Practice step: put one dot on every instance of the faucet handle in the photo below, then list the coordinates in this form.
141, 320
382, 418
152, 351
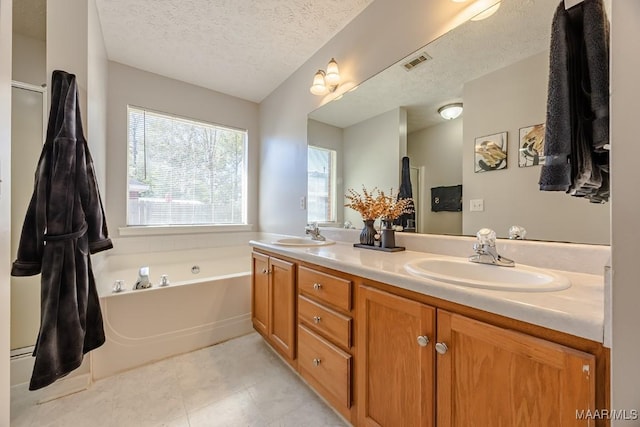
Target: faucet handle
486, 236
517, 232
144, 271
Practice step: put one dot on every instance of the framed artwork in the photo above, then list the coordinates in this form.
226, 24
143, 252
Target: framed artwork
491, 152
531, 146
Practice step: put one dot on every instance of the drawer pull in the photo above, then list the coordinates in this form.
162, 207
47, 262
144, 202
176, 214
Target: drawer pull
317, 286
317, 319
441, 348
316, 362
423, 340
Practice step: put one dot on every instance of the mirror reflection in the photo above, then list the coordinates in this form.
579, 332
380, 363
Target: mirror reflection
498, 69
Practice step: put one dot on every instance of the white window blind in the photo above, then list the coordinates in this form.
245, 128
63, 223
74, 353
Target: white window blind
321, 197
184, 172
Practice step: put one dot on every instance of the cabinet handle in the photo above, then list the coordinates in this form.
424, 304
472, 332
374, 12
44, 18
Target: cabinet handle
316, 362
317, 286
423, 340
266, 271
441, 348
316, 319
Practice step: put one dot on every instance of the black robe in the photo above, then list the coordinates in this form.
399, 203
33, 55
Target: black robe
63, 224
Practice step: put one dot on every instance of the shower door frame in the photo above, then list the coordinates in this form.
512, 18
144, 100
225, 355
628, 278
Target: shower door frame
21, 351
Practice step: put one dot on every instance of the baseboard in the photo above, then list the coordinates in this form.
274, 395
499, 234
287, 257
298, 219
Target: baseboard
78, 380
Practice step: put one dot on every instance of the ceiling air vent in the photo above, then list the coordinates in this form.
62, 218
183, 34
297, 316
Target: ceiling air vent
411, 64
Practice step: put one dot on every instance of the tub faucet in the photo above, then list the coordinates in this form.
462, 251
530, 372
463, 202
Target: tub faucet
314, 231
143, 279
485, 249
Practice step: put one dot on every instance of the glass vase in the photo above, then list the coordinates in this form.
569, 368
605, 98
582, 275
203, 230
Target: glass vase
368, 233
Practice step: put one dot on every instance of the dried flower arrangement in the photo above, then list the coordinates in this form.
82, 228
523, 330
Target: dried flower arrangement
380, 205
395, 207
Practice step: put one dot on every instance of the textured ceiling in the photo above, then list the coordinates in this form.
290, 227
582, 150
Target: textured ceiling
244, 48
519, 29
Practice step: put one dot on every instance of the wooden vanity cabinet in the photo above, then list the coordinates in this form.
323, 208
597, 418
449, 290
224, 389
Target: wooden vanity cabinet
395, 360
273, 293
493, 376
414, 357
385, 356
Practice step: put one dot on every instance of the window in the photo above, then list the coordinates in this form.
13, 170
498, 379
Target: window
321, 198
184, 172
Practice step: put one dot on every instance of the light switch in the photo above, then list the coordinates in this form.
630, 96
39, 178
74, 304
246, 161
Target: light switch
476, 205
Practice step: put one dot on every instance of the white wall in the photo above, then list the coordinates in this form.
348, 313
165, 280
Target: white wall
29, 60
385, 32
96, 113
67, 44
330, 137
131, 86
625, 90
506, 100
437, 151
373, 149
5, 204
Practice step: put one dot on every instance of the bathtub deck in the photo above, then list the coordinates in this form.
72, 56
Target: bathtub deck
236, 383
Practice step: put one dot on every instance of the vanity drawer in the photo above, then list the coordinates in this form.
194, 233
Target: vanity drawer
325, 287
327, 322
325, 366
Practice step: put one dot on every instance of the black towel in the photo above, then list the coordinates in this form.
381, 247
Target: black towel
577, 127
64, 223
406, 192
446, 199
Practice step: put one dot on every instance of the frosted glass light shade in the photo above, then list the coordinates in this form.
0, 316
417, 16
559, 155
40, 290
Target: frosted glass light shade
319, 87
332, 78
486, 13
451, 111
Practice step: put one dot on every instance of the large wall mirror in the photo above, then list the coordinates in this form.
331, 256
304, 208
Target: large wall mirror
498, 69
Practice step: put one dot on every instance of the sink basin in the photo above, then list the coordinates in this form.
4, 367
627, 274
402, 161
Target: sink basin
301, 241
465, 273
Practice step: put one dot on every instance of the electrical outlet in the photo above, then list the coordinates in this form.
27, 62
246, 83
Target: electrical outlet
303, 203
476, 205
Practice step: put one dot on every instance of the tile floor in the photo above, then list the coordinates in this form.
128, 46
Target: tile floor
236, 383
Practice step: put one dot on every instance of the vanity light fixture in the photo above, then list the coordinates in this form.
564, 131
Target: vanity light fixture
324, 82
451, 111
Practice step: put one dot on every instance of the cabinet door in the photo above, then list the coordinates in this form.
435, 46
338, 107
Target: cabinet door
497, 377
283, 313
395, 372
260, 292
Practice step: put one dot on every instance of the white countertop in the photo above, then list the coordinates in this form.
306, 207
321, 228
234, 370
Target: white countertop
578, 310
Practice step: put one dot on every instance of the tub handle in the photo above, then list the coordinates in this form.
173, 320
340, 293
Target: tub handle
118, 286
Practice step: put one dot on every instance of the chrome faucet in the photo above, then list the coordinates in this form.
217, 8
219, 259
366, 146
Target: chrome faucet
143, 279
314, 231
485, 249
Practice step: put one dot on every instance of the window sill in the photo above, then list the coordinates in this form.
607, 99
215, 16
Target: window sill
163, 230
